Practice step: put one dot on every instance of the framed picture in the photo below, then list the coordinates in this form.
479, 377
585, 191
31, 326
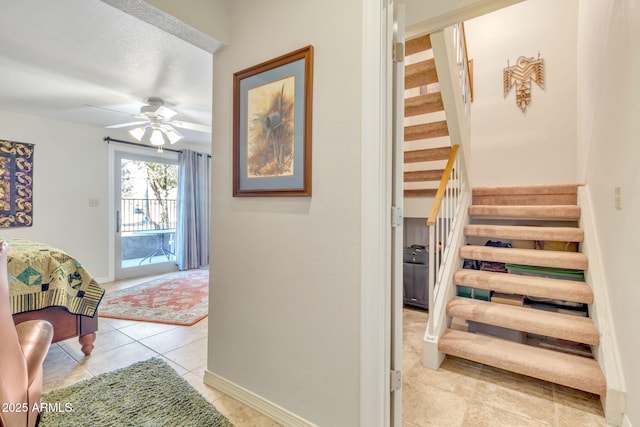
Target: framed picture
272, 127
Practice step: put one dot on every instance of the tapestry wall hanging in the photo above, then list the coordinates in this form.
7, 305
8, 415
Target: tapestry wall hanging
520, 76
16, 184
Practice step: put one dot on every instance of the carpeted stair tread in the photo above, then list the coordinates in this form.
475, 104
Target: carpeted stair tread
550, 324
550, 212
563, 194
563, 234
555, 259
566, 290
569, 370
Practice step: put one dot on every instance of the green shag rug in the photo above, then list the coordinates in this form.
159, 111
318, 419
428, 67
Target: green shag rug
145, 394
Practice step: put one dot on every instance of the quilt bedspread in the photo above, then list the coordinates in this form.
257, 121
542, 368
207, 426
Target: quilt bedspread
42, 276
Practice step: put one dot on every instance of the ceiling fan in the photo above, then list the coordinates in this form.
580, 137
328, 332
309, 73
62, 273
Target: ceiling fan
157, 126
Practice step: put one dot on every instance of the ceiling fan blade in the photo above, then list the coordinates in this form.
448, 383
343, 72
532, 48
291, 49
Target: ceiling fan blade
124, 125
191, 126
165, 113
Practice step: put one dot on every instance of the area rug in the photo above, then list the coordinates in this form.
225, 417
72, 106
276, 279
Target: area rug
180, 298
145, 394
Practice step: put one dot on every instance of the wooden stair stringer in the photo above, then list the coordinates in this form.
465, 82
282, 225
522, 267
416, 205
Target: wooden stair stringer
561, 368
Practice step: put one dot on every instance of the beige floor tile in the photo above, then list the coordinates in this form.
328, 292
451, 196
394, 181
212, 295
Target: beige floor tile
143, 330
179, 369
426, 406
235, 411
61, 370
117, 358
104, 342
452, 376
481, 415
117, 323
103, 326
241, 415
518, 397
190, 356
578, 399
174, 338
570, 416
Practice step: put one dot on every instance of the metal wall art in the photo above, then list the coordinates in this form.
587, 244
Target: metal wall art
520, 76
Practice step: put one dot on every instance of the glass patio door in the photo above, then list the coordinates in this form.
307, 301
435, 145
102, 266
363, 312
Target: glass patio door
145, 201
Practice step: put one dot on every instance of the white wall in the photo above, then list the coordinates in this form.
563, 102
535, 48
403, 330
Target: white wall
431, 16
608, 153
208, 16
510, 147
70, 167
284, 316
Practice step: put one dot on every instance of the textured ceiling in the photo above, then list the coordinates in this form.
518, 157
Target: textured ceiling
87, 62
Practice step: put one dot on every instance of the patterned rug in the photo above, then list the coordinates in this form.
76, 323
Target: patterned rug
145, 394
178, 298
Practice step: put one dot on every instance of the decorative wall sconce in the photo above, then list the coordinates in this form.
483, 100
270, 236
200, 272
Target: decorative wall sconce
520, 76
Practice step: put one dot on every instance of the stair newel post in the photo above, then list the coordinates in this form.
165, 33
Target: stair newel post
431, 277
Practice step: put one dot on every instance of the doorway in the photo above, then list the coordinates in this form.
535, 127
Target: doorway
145, 202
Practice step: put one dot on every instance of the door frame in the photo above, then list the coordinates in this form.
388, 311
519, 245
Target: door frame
116, 151
376, 182
375, 313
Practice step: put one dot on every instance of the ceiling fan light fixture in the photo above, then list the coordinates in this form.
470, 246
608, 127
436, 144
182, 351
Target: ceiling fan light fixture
137, 133
158, 137
173, 135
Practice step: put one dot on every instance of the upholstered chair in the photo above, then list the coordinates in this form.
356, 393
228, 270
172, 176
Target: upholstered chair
23, 348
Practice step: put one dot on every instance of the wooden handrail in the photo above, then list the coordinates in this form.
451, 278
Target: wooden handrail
468, 64
443, 186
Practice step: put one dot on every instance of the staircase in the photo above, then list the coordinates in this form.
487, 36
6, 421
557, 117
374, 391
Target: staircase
426, 134
509, 312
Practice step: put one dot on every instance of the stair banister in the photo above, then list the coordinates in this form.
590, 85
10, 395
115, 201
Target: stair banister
449, 213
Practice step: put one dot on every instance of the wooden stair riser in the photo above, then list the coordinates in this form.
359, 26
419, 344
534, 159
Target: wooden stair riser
417, 45
562, 234
426, 192
531, 257
420, 74
426, 131
423, 104
552, 212
423, 176
577, 372
565, 290
530, 320
427, 155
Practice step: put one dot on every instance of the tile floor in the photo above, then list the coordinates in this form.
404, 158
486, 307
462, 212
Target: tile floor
465, 393
122, 342
460, 393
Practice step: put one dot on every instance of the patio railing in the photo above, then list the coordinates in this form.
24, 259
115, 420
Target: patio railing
147, 214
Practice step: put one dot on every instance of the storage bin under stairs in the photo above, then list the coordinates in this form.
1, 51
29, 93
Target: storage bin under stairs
532, 317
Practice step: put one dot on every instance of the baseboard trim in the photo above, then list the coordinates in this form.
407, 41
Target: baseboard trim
607, 354
254, 401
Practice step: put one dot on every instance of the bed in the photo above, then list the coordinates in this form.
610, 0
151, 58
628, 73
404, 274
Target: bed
47, 283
